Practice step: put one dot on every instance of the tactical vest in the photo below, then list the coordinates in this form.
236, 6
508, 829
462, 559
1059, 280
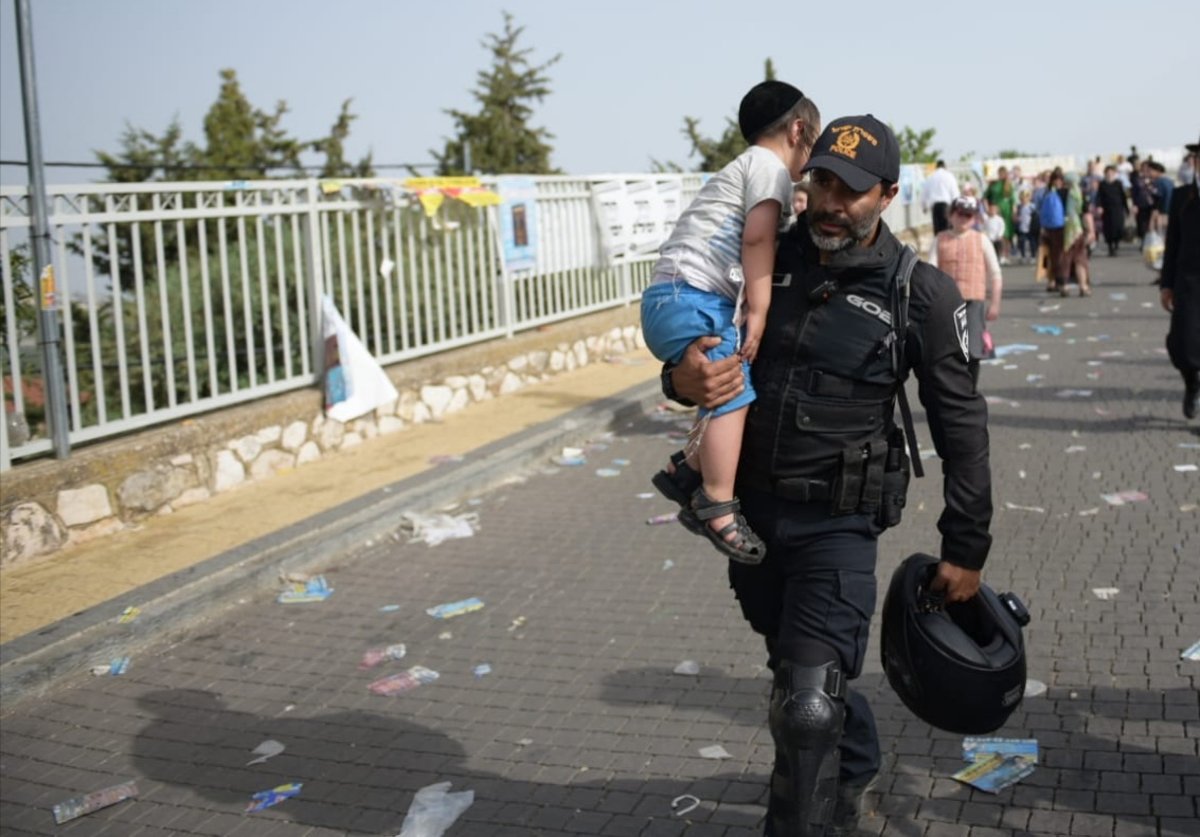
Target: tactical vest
826, 381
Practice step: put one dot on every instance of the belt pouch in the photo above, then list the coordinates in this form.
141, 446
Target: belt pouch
848, 480
872, 489
895, 481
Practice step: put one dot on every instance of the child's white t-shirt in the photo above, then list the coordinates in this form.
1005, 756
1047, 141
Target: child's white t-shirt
995, 227
705, 246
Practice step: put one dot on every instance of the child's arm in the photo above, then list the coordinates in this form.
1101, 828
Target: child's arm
994, 279
758, 257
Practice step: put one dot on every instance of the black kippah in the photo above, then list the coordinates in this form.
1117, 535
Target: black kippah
766, 102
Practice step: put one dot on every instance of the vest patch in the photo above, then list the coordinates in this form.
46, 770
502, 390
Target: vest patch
872, 308
960, 328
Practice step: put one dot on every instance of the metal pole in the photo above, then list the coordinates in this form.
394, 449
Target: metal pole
49, 335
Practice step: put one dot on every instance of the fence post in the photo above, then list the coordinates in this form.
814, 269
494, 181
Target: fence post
49, 333
506, 297
316, 281
626, 279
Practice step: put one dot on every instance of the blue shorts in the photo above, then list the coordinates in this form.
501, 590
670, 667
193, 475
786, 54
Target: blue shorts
674, 314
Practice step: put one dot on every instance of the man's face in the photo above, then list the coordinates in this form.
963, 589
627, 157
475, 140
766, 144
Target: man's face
840, 218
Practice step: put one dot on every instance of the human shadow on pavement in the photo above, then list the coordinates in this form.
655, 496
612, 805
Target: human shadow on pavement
360, 771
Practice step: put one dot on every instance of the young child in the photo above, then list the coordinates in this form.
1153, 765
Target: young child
967, 256
1026, 242
714, 275
994, 227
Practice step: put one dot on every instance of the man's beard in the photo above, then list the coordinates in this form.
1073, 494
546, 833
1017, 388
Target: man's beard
857, 233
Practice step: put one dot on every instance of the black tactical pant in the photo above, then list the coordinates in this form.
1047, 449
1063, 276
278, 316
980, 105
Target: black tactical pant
816, 585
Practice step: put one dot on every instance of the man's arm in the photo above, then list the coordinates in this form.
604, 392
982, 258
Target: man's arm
957, 417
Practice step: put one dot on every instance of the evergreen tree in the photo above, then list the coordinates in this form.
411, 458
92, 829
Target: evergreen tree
332, 147
498, 139
916, 146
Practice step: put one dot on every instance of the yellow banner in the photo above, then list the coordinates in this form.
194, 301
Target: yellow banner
419, 184
430, 201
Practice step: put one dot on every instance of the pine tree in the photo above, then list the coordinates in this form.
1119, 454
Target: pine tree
498, 139
917, 146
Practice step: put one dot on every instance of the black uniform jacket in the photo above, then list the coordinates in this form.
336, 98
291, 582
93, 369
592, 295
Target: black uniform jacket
825, 380
1181, 273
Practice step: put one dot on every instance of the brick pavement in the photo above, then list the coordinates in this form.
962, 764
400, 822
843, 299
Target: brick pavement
582, 728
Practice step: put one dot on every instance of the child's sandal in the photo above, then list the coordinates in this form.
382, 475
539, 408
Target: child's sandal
745, 547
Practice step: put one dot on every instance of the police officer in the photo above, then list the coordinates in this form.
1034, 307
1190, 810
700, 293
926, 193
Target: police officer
823, 469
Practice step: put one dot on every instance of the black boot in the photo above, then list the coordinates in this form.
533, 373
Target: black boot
806, 717
848, 808
1191, 395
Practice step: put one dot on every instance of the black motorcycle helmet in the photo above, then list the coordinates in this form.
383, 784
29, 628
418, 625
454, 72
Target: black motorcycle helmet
959, 667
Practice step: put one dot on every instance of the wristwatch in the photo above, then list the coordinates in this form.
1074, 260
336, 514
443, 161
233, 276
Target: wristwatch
668, 386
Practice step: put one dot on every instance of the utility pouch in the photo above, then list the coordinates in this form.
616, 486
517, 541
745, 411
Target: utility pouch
858, 476
896, 474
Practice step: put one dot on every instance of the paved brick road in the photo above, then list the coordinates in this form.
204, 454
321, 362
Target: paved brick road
582, 728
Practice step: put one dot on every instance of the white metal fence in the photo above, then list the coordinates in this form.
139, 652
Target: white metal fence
181, 298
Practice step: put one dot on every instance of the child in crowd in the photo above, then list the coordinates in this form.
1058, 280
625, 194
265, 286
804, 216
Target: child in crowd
994, 227
713, 276
1026, 243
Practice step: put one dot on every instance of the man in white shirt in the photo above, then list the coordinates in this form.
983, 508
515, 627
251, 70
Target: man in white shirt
939, 191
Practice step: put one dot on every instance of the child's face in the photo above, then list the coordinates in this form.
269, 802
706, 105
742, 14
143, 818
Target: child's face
993, 210
799, 202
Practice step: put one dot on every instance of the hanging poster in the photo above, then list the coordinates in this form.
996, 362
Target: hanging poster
614, 218
518, 222
646, 228
670, 196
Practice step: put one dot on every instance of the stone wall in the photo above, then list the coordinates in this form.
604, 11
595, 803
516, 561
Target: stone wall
50, 504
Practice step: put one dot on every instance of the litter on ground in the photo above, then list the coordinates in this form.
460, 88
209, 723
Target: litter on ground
128, 615
607, 472
116, 668
78, 806
1105, 593
715, 751
1014, 507
374, 656
269, 749
269, 798
313, 590
433, 529
1120, 498
452, 609
1185, 469
688, 667
660, 519
403, 681
1034, 688
1192, 653
434, 809
1052, 330
997, 763
680, 809
482, 670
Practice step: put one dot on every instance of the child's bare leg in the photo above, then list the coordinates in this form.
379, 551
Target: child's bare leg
719, 448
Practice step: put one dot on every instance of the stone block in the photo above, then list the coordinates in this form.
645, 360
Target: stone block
538, 360
365, 427
81, 506
558, 361
29, 531
511, 383
146, 491
407, 404
294, 436
390, 424
309, 452
331, 434
459, 401
437, 398
228, 472
580, 351
351, 440
456, 381
477, 386
247, 448
421, 413
518, 363
271, 462
182, 459
96, 530
269, 435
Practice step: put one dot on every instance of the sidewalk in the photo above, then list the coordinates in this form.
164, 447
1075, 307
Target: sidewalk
34, 596
581, 726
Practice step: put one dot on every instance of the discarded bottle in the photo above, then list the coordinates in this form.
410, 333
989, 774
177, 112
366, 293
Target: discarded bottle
404, 681
81, 805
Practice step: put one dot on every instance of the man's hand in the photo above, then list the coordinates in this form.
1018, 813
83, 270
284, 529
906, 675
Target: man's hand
993, 312
1167, 297
709, 383
955, 583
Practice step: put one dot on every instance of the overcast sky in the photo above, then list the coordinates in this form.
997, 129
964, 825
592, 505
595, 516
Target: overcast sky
1056, 77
